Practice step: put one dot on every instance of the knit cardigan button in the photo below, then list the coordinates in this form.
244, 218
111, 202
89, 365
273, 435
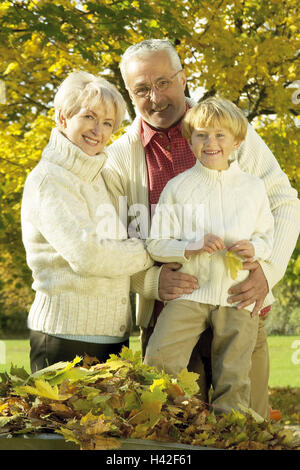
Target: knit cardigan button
124, 300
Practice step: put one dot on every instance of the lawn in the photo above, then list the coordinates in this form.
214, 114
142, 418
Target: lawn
284, 358
284, 369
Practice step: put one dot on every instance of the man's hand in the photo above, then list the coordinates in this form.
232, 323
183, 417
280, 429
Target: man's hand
253, 290
173, 284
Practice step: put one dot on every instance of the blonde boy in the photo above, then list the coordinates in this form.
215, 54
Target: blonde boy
236, 218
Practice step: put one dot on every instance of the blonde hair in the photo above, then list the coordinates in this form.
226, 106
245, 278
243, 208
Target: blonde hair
215, 112
82, 88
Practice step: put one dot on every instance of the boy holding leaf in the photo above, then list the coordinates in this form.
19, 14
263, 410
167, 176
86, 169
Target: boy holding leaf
237, 225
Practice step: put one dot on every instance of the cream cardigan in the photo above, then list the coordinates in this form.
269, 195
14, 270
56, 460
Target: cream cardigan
234, 206
81, 277
125, 174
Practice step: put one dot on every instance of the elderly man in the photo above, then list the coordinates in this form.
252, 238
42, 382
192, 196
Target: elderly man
151, 152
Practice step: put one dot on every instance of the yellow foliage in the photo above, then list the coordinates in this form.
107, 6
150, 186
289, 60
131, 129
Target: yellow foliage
245, 51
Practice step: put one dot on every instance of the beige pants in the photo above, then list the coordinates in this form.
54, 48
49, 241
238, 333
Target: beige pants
234, 337
259, 373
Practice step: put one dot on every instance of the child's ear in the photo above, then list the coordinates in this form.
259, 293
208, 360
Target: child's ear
237, 144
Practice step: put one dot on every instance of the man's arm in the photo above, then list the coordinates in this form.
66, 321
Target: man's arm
256, 158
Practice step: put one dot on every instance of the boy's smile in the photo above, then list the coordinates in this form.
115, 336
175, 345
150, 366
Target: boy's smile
212, 146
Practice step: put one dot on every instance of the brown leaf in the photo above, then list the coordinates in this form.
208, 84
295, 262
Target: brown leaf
106, 443
201, 418
89, 361
175, 391
62, 410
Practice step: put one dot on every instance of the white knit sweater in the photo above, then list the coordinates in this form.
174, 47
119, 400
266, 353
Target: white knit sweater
125, 174
235, 207
81, 277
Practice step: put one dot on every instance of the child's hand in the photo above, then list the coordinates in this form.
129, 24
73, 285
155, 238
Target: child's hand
244, 249
210, 244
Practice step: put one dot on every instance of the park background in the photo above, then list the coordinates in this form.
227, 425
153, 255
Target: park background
244, 50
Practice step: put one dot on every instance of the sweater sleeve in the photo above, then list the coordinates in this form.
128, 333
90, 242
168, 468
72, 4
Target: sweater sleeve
117, 181
263, 236
65, 222
256, 158
165, 244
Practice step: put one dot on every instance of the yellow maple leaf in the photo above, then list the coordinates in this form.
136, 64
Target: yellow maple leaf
188, 381
233, 263
43, 389
160, 383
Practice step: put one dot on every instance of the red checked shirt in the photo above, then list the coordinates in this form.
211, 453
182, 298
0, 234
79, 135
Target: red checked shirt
167, 155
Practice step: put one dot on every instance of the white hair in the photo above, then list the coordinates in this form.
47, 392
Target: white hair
147, 47
82, 88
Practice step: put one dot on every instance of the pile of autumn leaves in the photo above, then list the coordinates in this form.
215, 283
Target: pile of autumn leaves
99, 405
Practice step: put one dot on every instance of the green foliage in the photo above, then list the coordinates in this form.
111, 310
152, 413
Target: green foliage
97, 406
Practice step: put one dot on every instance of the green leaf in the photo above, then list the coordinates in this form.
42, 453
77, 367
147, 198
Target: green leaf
4, 420
188, 381
55, 370
43, 389
258, 419
131, 401
19, 372
69, 435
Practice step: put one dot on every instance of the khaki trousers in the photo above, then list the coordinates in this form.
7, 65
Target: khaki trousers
177, 331
259, 374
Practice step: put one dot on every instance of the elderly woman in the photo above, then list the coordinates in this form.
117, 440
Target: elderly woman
81, 274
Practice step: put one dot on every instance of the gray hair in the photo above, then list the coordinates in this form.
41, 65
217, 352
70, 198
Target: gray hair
82, 88
147, 47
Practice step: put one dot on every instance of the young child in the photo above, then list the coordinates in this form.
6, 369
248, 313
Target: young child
236, 218
81, 274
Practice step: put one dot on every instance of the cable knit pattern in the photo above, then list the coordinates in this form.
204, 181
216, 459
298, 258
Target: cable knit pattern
81, 275
235, 207
125, 174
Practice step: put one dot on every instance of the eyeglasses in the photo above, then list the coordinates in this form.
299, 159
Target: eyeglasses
161, 84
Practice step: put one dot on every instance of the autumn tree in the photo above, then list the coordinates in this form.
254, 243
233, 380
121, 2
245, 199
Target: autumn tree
245, 50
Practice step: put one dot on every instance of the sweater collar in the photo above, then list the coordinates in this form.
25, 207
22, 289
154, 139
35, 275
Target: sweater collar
64, 153
211, 176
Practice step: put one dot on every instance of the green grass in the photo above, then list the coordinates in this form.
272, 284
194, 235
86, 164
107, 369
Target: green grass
284, 361
17, 352
283, 371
